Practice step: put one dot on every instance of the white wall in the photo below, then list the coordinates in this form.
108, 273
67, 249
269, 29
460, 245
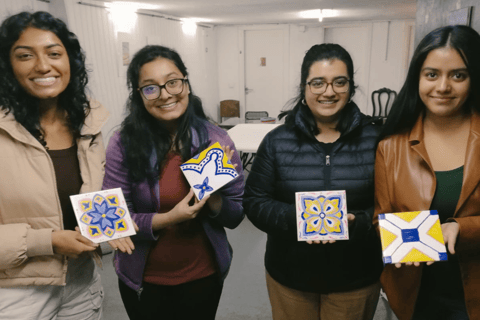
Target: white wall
102, 43
387, 63
230, 73
10, 7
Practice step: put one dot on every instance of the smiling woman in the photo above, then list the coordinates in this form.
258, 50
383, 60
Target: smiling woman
428, 159
40, 64
326, 144
48, 154
181, 254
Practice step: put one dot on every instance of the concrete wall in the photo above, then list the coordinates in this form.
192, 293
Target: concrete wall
432, 14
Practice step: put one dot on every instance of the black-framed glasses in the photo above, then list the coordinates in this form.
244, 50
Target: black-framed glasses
153, 91
319, 86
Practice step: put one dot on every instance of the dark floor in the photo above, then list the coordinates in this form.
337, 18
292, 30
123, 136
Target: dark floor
244, 295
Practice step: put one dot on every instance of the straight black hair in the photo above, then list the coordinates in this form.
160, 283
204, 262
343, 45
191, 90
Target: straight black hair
408, 106
319, 52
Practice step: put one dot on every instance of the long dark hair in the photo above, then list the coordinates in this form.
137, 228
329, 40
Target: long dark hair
142, 134
408, 106
13, 98
319, 52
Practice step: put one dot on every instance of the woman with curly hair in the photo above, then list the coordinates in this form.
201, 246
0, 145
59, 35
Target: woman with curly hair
51, 148
181, 254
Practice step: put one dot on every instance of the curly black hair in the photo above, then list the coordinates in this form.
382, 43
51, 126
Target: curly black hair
142, 134
14, 98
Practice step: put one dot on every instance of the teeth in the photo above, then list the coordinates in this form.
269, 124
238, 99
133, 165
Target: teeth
44, 81
169, 105
327, 102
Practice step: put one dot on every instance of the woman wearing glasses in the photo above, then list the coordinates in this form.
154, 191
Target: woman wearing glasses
325, 144
181, 254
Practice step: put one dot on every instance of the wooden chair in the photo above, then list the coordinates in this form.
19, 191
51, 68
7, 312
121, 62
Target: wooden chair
382, 108
229, 109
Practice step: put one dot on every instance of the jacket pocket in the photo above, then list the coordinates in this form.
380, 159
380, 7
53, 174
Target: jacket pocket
96, 293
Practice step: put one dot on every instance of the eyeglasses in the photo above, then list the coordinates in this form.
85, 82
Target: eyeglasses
319, 86
153, 91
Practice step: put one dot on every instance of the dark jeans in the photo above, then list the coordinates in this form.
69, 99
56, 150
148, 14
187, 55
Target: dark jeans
192, 300
440, 308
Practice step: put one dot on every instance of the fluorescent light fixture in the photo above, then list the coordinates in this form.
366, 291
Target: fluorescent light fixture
189, 27
310, 14
319, 14
123, 15
330, 13
132, 5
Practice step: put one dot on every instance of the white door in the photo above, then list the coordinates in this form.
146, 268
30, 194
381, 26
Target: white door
264, 71
356, 40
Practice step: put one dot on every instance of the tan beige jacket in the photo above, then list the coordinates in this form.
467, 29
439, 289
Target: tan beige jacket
29, 203
405, 181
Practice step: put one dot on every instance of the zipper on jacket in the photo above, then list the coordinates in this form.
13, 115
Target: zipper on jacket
328, 171
139, 293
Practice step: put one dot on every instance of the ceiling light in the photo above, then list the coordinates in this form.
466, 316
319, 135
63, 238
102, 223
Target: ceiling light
123, 15
132, 5
319, 14
310, 14
189, 26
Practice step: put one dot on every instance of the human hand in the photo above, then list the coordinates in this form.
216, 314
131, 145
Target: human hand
184, 211
229, 153
350, 219
125, 245
71, 243
450, 233
416, 264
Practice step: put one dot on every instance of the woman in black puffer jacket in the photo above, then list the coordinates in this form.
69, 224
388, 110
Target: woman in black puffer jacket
325, 144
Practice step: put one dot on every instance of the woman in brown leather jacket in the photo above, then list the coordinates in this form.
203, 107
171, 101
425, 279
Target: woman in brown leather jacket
428, 159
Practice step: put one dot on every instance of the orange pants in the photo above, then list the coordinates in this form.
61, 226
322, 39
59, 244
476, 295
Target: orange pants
291, 304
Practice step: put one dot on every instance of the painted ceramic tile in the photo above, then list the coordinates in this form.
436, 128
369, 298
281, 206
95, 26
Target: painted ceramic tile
321, 215
208, 171
103, 215
411, 237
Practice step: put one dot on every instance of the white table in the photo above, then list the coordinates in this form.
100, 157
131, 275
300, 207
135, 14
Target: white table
247, 138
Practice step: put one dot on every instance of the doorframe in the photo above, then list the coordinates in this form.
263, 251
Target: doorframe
286, 60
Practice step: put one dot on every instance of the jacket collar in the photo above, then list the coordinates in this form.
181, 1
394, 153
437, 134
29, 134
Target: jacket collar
94, 122
357, 119
471, 173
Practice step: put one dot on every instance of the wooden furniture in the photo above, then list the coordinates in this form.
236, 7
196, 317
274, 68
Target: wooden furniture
382, 108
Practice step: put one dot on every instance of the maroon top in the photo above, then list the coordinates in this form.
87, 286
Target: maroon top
69, 181
182, 252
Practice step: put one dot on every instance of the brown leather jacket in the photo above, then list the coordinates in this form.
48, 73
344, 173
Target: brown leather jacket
405, 181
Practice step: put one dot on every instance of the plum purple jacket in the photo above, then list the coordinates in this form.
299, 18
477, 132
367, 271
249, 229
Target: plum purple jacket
142, 203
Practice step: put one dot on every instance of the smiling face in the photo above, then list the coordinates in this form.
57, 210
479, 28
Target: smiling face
444, 83
40, 64
167, 108
326, 107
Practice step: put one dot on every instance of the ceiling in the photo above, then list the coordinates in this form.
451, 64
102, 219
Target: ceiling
224, 12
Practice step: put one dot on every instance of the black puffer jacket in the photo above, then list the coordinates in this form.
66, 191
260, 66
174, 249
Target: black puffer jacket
288, 162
